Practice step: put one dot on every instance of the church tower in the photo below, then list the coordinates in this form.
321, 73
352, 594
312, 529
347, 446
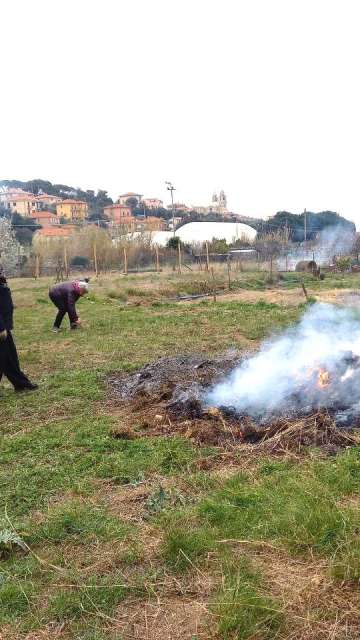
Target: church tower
222, 200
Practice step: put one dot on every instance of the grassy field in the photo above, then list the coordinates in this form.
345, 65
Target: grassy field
157, 538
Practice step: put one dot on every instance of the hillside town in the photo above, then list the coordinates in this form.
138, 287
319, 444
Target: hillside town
131, 212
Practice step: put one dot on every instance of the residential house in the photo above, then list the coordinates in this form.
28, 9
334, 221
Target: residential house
61, 231
120, 214
179, 206
152, 223
8, 193
23, 203
45, 218
123, 199
152, 203
75, 210
48, 200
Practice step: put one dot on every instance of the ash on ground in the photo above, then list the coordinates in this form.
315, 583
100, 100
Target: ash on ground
179, 382
166, 397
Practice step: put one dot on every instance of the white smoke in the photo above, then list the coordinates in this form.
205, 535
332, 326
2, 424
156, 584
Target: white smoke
332, 241
283, 376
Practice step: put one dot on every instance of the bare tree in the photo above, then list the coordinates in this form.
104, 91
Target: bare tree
270, 246
10, 249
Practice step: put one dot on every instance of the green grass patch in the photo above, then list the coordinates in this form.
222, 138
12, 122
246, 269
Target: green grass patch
67, 456
100, 594
242, 609
15, 600
294, 507
79, 523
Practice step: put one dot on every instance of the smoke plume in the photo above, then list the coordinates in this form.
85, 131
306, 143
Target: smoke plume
332, 241
312, 365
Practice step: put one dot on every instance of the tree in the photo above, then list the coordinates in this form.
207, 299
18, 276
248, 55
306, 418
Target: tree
218, 245
343, 263
80, 261
173, 242
10, 250
132, 202
4, 212
24, 228
269, 246
100, 217
356, 247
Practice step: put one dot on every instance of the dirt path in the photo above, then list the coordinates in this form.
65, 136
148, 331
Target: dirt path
289, 297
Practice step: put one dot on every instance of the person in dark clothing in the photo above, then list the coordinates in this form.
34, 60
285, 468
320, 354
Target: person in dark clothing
9, 361
64, 296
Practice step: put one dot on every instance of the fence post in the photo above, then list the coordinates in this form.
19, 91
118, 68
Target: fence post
213, 283
157, 259
125, 262
66, 262
228, 269
95, 261
207, 257
179, 257
37, 266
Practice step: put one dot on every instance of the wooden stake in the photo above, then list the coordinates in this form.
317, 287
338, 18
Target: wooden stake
228, 270
157, 259
37, 266
66, 262
214, 286
125, 262
305, 292
207, 257
179, 257
95, 261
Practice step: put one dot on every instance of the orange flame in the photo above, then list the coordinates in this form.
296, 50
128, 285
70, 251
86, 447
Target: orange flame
323, 378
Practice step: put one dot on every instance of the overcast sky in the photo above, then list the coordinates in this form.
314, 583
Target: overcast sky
256, 97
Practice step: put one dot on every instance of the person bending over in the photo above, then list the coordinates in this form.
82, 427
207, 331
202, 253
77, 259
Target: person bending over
64, 296
9, 361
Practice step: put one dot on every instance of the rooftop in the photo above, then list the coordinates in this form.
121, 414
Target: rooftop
23, 198
60, 232
43, 214
46, 196
70, 201
117, 205
128, 195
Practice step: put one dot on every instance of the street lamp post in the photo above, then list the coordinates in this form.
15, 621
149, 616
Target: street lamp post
171, 188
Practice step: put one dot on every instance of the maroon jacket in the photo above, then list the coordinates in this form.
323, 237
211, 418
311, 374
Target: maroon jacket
64, 296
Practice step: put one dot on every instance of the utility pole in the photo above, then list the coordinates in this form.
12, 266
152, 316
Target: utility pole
171, 188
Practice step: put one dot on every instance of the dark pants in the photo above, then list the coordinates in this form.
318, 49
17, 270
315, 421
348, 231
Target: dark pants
9, 364
62, 310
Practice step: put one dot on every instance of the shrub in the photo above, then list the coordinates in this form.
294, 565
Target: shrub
80, 261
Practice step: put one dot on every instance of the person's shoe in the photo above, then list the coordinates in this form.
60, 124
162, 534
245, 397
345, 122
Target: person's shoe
56, 329
30, 387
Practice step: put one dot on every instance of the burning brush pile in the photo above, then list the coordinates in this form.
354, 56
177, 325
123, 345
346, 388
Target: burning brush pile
302, 385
